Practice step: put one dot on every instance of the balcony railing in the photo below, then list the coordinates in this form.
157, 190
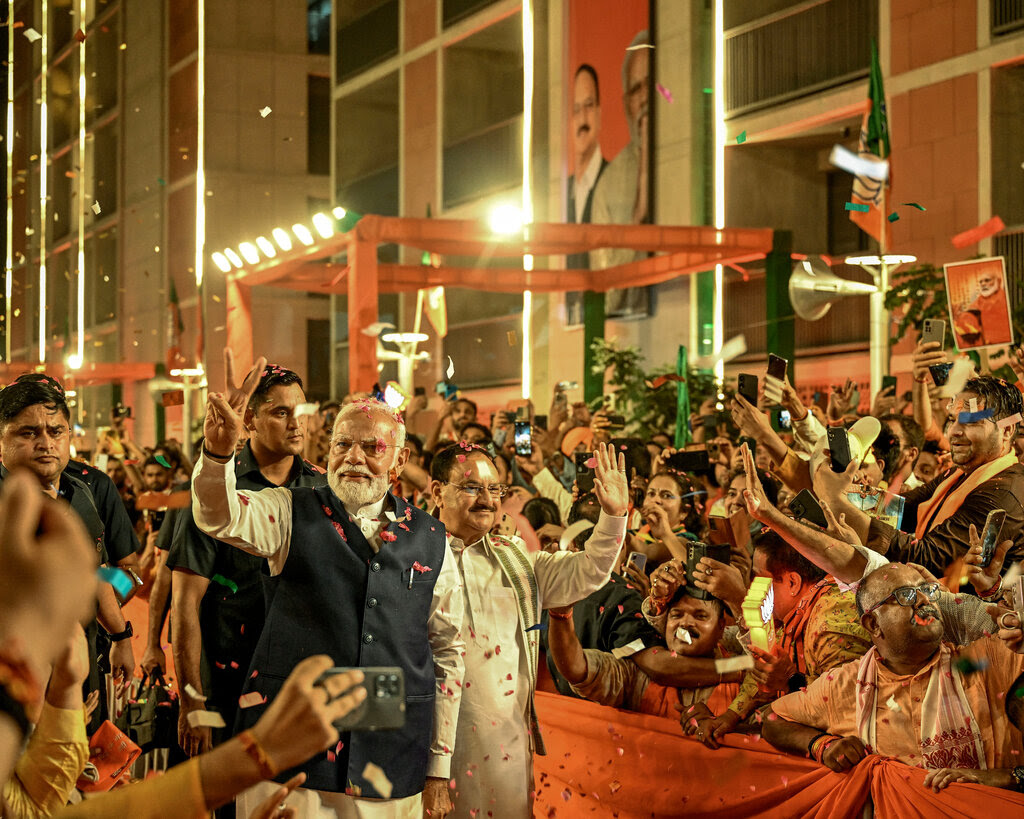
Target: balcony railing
803, 49
1007, 16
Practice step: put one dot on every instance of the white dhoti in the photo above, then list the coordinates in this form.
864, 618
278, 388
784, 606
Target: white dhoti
492, 767
327, 805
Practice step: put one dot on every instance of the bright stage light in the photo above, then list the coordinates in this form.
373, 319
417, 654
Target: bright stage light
322, 223
221, 261
302, 234
284, 241
249, 252
233, 257
506, 220
266, 246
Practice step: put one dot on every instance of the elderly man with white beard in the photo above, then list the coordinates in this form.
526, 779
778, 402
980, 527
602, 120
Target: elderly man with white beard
360, 575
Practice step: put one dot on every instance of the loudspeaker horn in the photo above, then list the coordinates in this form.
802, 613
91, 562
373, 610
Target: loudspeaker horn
813, 288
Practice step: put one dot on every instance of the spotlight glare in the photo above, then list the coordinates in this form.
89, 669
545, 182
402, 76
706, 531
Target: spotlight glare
234, 258
284, 241
506, 220
266, 246
249, 252
221, 261
302, 234
322, 223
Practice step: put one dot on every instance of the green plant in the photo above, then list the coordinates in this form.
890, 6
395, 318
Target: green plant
646, 410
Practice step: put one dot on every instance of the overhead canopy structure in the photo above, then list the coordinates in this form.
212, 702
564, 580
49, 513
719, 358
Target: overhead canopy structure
678, 250
90, 374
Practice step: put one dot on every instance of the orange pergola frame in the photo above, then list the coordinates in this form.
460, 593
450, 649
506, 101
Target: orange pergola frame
680, 250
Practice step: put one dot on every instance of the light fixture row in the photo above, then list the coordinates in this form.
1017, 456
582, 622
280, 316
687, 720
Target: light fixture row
249, 253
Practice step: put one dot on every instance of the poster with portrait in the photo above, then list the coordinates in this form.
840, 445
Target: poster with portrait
979, 303
610, 95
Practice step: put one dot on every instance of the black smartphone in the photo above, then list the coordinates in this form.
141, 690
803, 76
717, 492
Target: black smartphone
746, 385
806, 507
616, 421
777, 366
785, 420
990, 535
690, 460
839, 446
419, 391
638, 559
940, 373
384, 706
889, 383
934, 330
523, 442
710, 423
584, 474
695, 552
540, 421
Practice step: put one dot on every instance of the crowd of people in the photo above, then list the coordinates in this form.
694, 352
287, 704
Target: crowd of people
361, 603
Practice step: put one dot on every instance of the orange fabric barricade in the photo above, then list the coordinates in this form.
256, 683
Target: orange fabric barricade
606, 762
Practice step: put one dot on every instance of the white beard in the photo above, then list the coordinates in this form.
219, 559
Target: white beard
356, 495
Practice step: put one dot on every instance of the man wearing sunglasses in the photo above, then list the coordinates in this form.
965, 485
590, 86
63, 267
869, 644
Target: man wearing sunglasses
913, 696
360, 575
505, 588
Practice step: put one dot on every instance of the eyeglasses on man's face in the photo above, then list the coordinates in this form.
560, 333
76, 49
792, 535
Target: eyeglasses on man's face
497, 490
907, 595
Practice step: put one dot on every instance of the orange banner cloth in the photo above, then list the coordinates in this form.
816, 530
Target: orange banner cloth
606, 762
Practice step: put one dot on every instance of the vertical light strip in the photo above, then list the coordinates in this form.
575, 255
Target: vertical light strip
9, 143
44, 56
719, 98
527, 189
200, 144
80, 312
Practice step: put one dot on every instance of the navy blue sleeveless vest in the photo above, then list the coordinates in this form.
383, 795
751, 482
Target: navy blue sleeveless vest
336, 597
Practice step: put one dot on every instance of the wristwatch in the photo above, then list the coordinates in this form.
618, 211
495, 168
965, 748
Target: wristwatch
122, 635
1017, 774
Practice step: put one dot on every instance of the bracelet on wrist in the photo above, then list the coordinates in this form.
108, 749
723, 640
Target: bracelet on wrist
214, 455
992, 592
822, 745
921, 380
251, 745
810, 743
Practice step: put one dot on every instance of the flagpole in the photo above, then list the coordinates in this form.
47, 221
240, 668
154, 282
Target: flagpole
878, 353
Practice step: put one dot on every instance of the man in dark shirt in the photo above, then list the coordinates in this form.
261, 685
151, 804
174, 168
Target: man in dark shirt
217, 608
35, 433
985, 476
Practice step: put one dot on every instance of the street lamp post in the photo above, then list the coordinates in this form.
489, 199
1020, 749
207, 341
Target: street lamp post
880, 267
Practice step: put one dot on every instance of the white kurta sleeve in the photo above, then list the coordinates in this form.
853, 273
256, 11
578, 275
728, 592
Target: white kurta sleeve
444, 627
259, 523
566, 577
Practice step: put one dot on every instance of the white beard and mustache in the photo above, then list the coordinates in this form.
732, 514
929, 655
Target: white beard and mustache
358, 494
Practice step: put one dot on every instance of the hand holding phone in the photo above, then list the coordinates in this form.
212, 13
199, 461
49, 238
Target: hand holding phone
839, 447
523, 438
746, 385
775, 378
990, 535
584, 473
806, 507
384, 706
934, 330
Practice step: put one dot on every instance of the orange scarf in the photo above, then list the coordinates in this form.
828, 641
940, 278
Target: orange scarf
944, 503
795, 623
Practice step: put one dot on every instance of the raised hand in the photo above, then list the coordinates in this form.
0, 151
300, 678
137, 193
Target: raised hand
984, 578
610, 482
758, 505
238, 395
222, 428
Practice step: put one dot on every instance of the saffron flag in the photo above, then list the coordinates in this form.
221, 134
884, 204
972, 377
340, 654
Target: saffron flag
874, 145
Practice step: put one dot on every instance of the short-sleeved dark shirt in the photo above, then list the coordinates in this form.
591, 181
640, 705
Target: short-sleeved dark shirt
231, 614
121, 541
600, 624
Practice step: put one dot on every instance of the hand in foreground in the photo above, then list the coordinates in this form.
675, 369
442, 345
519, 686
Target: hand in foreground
274, 807
843, 754
722, 580
637, 579
984, 578
711, 730
939, 778
610, 483
154, 660
300, 721
238, 395
194, 740
437, 801
839, 400
838, 527
1010, 631
122, 663
49, 580
752, 422
758, 505
666, 579
926, 354
771, 672
222, 427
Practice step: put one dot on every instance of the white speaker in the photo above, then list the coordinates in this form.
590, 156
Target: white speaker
813, 288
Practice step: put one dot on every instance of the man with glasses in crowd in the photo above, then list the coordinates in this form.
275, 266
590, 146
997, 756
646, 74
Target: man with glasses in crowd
913, 696
360, 575
505, 588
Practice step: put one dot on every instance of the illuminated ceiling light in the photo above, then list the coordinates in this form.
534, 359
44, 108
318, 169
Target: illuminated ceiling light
221, 261
284, 241
237, 262
74, 361
266, 246
302, 234
339, 212
506, 220
322, 223
249, 252
394, 396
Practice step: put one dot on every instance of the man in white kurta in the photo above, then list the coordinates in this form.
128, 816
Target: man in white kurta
505, 588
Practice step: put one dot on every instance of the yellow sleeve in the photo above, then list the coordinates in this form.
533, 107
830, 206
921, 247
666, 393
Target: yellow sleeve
46, 773
149, 799
794, 472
